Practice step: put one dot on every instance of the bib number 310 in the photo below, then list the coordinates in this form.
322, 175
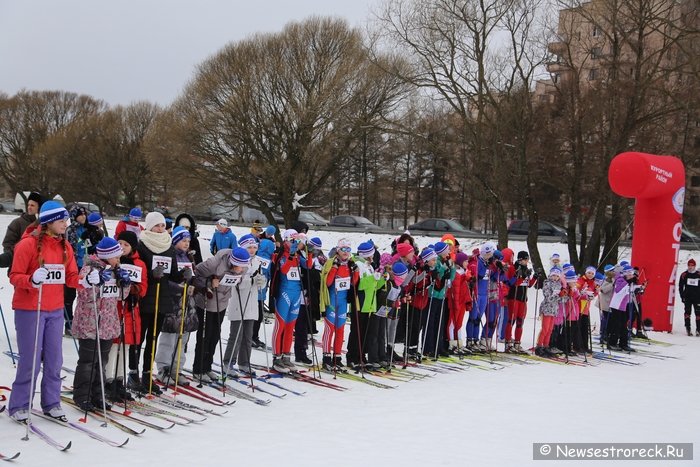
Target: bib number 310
57, 274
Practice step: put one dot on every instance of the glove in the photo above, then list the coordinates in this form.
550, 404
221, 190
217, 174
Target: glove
426, 268
562, 293
158, 272
352, 265
260, 281
499, 264
93, 277
377, 276
293, 248
135, 289
39, 276
106, 275
123, 278
187, 274
336, 262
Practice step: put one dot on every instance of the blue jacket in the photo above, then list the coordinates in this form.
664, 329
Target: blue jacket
265, 250
221, 241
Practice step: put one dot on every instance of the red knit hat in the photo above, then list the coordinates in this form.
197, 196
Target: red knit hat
404, 249
691, 262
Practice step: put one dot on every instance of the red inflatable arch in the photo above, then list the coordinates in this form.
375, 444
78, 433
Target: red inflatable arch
657, 183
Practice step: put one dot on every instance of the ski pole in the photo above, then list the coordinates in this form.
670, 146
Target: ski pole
34, 355
99, 354
179, 339
203, 345
314, 356
261, 303
534, 316
153, 343
122, 344
7, 335
437, 331
221, 353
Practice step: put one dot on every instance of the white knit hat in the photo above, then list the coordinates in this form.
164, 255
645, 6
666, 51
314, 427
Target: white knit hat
153, 219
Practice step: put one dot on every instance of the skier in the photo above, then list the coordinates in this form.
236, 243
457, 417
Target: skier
339, 280
223, 237
265, 251
103, 285
689, 289
459, 302
617, 327
17, 228
520, 279
588, 292
418, 287
167, 353
187, 221
43, 263
74, 235
549, 308
93, 233
480, 270
131, 223
435, 320
604, 295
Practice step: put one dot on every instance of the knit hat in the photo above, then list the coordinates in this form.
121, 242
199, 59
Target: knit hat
555, 271
130, 238
627, 270
52, 211
135, 214
507, 255
365, 250
568, 267
624, 263
152, 219
591, 269
289, 234
599, 278
180, 233
95, 219
554, 256
400, 272
315, 242
36, 197
608, 268
344, 243
404, 249
168, 223
570, 276
498, 255
385, 260
77, 211
109, 248
461, 258
270, 230
488, 248
441, 248
523, 255
247, 240
239, 257
691, 262
222, 222
427, 254
184, 222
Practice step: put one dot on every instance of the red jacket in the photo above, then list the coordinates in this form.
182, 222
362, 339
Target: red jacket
458, 297
128, 225
54, 250
132, 317
420, 290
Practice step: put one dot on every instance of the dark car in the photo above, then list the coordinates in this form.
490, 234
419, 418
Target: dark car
355, 222
311, 218
544, 229
440, 225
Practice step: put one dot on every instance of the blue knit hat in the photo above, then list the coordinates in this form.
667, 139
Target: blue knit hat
239, 257
570, 276
555, 270
180, 233
247, 240
627, 269
427, 254
109, 248
608, 268
316, 242
52, 211
135, 214
400, 271
95, 219
441, 248
591, 269
365, 249
498, 255
599, 278
568, 267
624, 263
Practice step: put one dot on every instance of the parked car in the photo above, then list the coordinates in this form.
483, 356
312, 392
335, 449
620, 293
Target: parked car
355, 222
89, 207
440, 225
544, 229
311, 218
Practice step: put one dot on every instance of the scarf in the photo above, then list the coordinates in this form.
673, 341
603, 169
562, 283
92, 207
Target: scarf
156, 242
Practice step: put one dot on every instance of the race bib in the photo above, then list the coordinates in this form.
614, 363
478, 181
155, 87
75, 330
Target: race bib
342, 283
692, 282
229, 280
87, 243
163, 261
133, 271
393, 294
181, 266
57, 274
383, 311
264, 262
293, 274
109, 289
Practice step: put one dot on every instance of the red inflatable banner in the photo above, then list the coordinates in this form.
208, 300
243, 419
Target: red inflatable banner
657, 183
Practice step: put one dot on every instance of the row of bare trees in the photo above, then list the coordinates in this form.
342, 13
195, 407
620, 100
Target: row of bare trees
431, 113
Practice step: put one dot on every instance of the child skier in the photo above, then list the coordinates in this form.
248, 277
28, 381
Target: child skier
520, 279
480, 270
588, 291
549, 308
459, 302
604, 295
131, 223
435, 320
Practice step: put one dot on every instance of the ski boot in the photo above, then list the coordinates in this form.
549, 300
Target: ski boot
327, 364
287, 361
153, 389
690, 333
539, 351
278, 365
338, 363
57, 413
518, 349
697, 333
509, 347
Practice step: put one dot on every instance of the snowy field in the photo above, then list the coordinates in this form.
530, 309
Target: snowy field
473, 417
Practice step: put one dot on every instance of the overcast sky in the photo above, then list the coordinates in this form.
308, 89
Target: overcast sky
128, 50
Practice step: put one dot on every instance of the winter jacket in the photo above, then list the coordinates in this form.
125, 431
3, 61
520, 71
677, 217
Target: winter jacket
519, 279
605, 294
244, 296
194, 236
54, 251
265, 251
172, 319
215, 267
419, 287
74, 234
84, 314
458, 297
15, 231
551, 299
588, 292
126, 224
689, 287
497, 285
165, 298
222, 240
443, 274
129, 309
621, 293
370, 281
91, 237
480, 269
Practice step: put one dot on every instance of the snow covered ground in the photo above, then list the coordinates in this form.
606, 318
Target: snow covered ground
467, 418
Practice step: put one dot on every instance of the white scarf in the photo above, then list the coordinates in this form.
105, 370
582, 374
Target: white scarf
156, 242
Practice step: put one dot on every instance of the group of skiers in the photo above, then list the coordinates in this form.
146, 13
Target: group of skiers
142, 292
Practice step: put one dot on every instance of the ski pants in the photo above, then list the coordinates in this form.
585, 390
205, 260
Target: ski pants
689, 305
475, 315
517, 318
546, 331
286, 313
208, 335
87, 385
491, 315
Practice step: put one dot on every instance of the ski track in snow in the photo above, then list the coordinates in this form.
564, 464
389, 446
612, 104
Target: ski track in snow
467, 418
